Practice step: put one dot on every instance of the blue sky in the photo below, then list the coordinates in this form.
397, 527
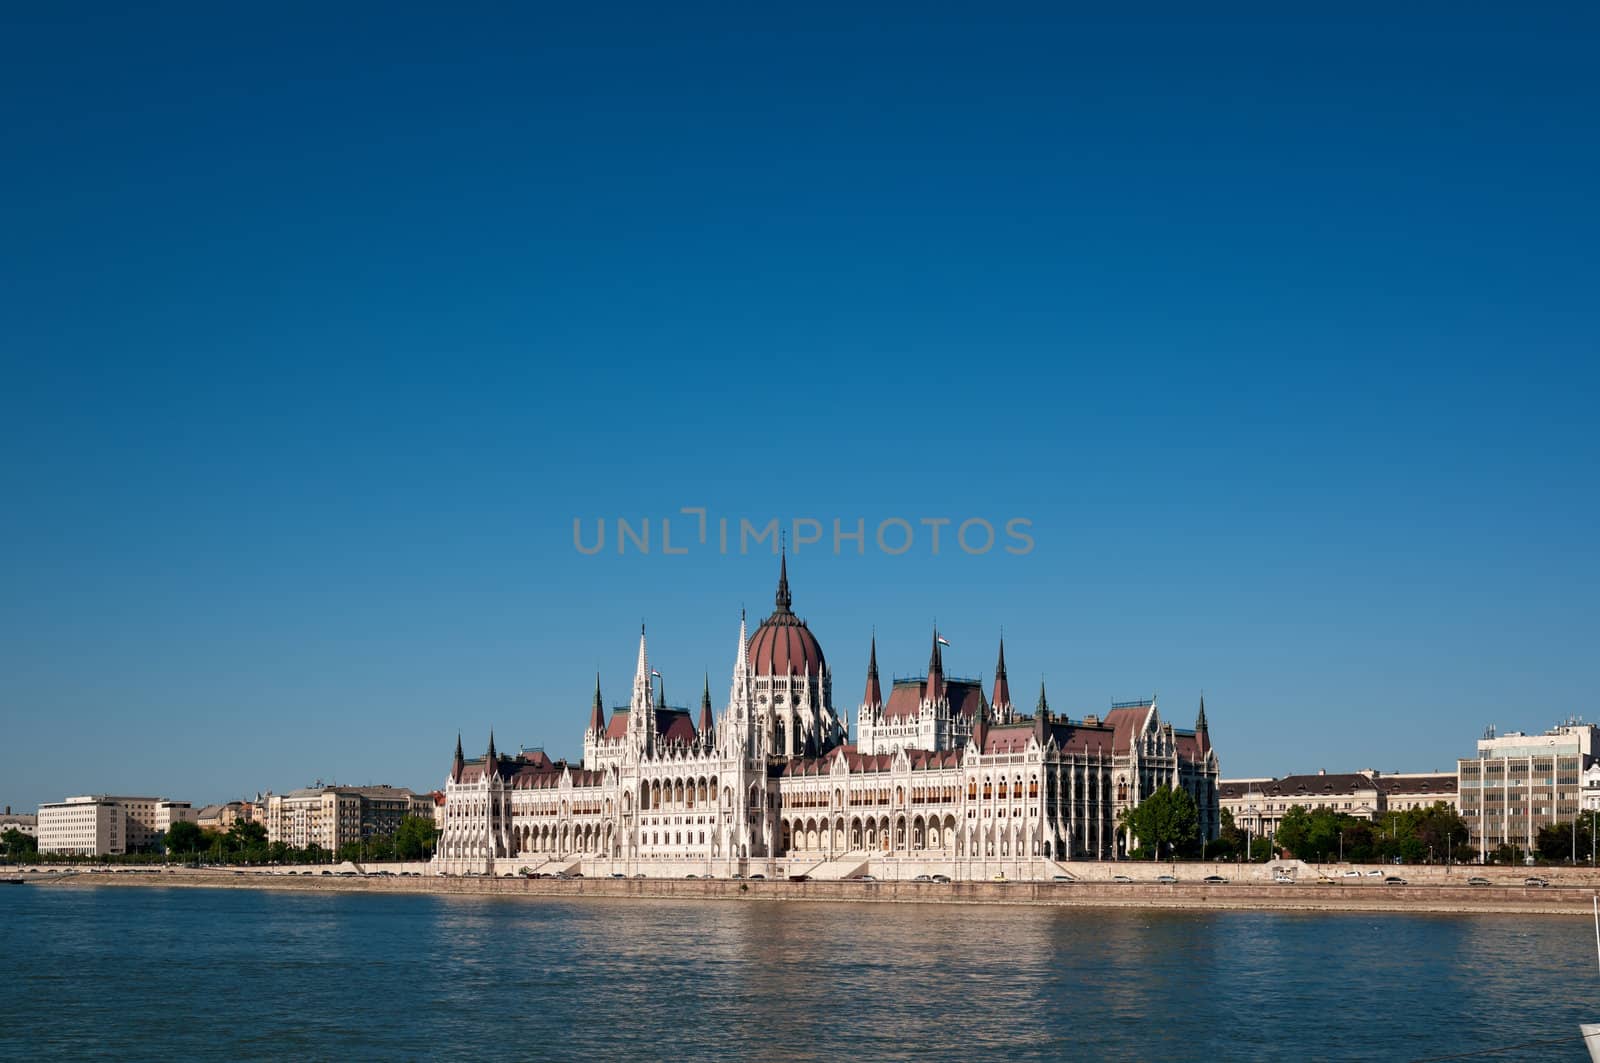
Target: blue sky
321, 328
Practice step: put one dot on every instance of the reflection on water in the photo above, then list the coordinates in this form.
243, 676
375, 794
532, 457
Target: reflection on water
114, 973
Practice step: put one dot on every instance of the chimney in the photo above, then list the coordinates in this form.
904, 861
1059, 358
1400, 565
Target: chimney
1322, 771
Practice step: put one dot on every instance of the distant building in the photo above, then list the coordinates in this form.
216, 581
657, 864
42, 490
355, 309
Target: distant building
27, 823
1258, 805
106, 825
331, 816
1519, 783
222, 817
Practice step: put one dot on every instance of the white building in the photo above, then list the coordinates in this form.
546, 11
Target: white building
330, 816
942, 779
1519, 783
102, 824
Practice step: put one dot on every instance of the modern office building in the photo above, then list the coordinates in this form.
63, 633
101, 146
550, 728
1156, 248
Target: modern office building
1520, 782
106, 825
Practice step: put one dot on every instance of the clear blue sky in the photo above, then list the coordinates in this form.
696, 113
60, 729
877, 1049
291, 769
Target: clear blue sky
320, 327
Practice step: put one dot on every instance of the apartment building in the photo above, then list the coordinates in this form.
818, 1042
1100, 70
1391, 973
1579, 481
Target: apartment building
107, 825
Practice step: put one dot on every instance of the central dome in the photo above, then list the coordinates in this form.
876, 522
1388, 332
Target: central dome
783, 643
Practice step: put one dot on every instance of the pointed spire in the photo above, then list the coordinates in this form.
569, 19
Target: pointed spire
782, 599
597, 714
935, 669
458, 762
1202, 730
1044, 705
874, 694
661, 695
705, 706
492, 756
1002, 689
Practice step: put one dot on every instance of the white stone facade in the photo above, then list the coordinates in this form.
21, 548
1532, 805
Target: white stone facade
942, 778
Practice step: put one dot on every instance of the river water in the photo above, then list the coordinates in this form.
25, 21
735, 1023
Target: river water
123, 972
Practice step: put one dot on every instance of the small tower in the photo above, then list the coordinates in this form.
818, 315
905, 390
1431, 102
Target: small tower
935, 670
458, 762
707, 727
1043, 708
1001, 702
1202, 730
641, 708
597, 713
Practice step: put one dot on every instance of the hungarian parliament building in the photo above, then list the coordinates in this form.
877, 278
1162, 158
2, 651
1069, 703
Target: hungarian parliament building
940, 779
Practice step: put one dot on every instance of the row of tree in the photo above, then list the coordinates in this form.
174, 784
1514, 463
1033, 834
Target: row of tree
1167, 826
246, 843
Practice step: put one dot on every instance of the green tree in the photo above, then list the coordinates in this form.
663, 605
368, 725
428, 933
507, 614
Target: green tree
19, 846
415, 838
1166, 819
184, 838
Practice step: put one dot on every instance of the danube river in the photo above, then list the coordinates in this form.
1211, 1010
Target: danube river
116, 973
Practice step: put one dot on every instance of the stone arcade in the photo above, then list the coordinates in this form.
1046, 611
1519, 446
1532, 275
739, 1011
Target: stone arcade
941, 779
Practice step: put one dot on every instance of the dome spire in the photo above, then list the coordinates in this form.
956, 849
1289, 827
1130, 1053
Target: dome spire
782, 598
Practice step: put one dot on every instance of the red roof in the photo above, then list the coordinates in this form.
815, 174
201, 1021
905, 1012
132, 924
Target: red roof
905, 699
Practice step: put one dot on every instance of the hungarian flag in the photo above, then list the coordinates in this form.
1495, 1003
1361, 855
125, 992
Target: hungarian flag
655, 673
943, 641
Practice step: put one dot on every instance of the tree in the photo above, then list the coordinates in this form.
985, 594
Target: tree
1167, 818
184, 838
19, 846
415, 838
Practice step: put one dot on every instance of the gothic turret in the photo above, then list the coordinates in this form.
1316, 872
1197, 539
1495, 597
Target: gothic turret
597, 714
1002, 690
706, 725
1202, 730
874, 695
459, 762
1043, 708
935, 670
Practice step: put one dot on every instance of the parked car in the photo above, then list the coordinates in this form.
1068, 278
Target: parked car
799, 878
1214, 880
941, 878
758, 875
691, 875
1394, 880
922, 878
618, 874
1535, 880
1374, 873
1352, 873
1166, 878
1477, 880
639, 875
1283, 878
866, 878
1120, 878
737, 877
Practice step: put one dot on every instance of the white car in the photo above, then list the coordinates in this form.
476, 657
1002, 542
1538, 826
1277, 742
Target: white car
1352, 873
1374, 874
